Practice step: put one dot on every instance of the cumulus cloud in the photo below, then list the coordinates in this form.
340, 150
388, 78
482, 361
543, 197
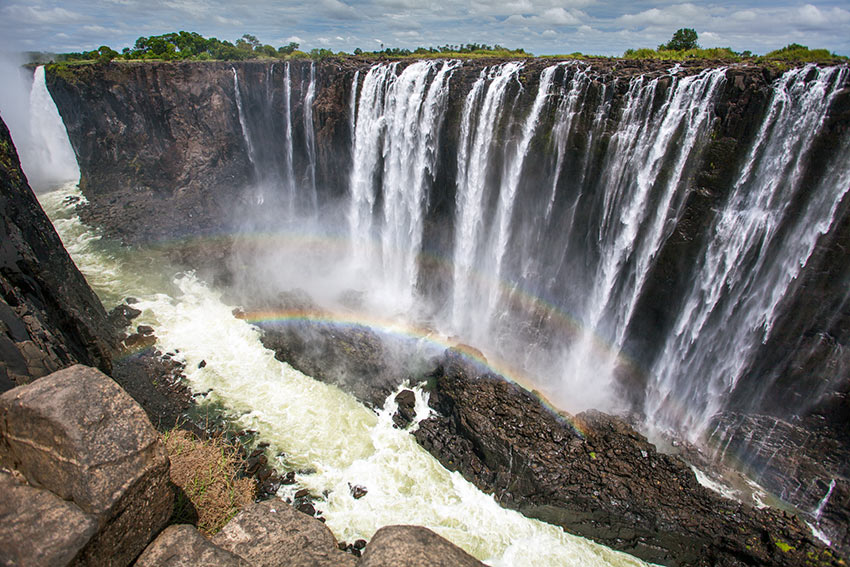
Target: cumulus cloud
540, 26
39, 15
550, 17
338, 10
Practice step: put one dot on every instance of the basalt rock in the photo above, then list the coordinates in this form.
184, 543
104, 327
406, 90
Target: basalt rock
413, 546
273, 533
39, 528
79, 435
49, 317
184, 546
597, 477
799, 462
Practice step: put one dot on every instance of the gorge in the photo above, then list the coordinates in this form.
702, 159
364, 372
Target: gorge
667, 241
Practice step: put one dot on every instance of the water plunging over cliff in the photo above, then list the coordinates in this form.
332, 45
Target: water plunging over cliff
40, 136
662, 240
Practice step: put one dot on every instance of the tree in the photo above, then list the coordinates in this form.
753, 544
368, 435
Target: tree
106, 54
683, 39
287, 49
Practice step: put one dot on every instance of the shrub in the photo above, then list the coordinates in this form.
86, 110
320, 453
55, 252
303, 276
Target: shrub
205, 471
794, 52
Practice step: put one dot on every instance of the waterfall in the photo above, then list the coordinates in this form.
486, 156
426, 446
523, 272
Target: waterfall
48, 158
510, 183
310, 139
756, 250
288, 162
478, 124
396, 134
638, 206
252, 156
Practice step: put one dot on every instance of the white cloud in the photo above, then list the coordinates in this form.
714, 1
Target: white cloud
36, 14
338, 10
552, 16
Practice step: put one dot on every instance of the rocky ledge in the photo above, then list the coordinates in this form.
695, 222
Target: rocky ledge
595, 476
592, 474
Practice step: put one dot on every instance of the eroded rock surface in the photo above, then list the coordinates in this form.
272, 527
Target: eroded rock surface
273, 533
49, 317
184, 546
595, 476
79, 435
413, 546
39, 528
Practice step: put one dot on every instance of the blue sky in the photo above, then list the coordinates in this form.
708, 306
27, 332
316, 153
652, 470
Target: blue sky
601, 27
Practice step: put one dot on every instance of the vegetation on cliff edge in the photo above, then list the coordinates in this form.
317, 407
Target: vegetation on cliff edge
191, 46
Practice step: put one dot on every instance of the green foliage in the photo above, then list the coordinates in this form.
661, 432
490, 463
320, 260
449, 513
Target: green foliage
796, 53
712, 53
288, 49
184, 45
684, 39
319, 54
469, 50
105, 54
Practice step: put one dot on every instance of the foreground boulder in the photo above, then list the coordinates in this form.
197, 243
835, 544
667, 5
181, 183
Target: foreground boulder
273, 533
77, 434
413, 546
184, 546
597, 477
39, 528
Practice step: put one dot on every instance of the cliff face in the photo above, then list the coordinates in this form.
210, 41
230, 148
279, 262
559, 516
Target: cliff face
49, 317
177, 149
169, 150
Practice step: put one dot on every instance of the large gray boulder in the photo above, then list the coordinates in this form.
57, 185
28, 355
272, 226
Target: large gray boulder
79, 435
39, 528
413, 546
184, 546
273, 533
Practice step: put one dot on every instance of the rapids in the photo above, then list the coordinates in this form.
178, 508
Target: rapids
321, 430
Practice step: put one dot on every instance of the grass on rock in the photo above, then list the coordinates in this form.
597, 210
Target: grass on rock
206, 472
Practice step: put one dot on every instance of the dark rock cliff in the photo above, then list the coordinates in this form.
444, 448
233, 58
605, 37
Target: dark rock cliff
597, 477
49, 317
163, 154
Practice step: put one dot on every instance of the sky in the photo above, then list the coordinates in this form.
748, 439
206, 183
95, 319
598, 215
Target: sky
543, 27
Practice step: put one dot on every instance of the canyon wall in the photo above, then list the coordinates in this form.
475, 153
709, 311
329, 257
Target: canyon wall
49, 317
638, 166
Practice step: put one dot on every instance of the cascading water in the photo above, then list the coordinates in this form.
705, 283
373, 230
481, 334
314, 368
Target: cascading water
756, 250
309, 184
478, 125
249, 145
288, 165
396, 133
616, 174
46, 155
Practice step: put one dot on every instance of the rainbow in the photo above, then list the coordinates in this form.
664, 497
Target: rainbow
544, 312
407, 331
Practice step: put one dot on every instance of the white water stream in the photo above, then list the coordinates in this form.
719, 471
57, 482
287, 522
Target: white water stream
318, 427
